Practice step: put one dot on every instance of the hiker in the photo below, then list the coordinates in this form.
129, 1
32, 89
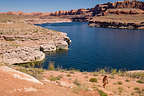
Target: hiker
105, 81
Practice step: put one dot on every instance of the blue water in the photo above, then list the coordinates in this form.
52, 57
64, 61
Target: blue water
96, 48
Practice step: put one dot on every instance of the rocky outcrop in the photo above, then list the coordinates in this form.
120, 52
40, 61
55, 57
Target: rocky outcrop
99, 9
61, 45
22, 55
24, 43
114, 24
124, 11
34, 52
103, 9
19, 75
129, 4
48, 47
71, 12
58, 44
118, 15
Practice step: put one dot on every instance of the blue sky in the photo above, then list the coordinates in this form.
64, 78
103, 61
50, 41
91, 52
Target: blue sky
47, 5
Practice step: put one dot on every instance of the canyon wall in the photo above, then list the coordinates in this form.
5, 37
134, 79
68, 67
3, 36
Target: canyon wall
99, 9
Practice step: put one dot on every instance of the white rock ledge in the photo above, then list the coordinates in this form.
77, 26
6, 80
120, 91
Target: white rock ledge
22, 55
19, 75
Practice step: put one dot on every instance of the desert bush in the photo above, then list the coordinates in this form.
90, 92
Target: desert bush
93, 80
136, 88
102, 71
31, 64
113, 71
120, 89
51, 66
53, 78
68, 75
127, 80
119, 83
102, 93
140, 81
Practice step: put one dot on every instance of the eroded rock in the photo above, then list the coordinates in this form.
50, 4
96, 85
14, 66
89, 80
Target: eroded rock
60, 45
22, 55
47, 47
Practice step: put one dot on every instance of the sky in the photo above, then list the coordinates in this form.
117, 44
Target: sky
47, 5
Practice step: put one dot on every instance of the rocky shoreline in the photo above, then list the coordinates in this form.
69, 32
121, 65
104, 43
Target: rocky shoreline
34, 52
22, 42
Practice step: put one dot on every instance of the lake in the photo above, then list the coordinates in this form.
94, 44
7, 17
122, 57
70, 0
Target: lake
96, 48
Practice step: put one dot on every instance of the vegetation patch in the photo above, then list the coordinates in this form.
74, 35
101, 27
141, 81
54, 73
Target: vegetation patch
35, 72
127, 80
35, 64
119, 83
102, 93
120, 89
51, 66
68, 75
139, 75
52, 78
93, 80
140, 81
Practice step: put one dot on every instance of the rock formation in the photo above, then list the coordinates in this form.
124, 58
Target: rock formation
118, 15
19, 75
22, 55
99, 9
23, 43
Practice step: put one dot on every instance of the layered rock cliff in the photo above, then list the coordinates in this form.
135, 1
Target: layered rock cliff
99, 9
124, 14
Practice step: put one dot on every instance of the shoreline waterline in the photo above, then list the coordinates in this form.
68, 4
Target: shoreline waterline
75, 32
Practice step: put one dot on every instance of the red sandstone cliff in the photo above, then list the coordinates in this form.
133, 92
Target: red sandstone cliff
100, 9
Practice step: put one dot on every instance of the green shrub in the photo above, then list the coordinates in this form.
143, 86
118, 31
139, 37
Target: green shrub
113, 71
127, 80
119, 83
120, 89
102, 93
51, 66
140, 81
102, 71
52, 78
93, 80
136, 88
31, 64
68, 75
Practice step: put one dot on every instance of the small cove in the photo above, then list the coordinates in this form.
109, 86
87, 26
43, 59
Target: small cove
97, 48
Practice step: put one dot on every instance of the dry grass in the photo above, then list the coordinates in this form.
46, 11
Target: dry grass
35, 72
